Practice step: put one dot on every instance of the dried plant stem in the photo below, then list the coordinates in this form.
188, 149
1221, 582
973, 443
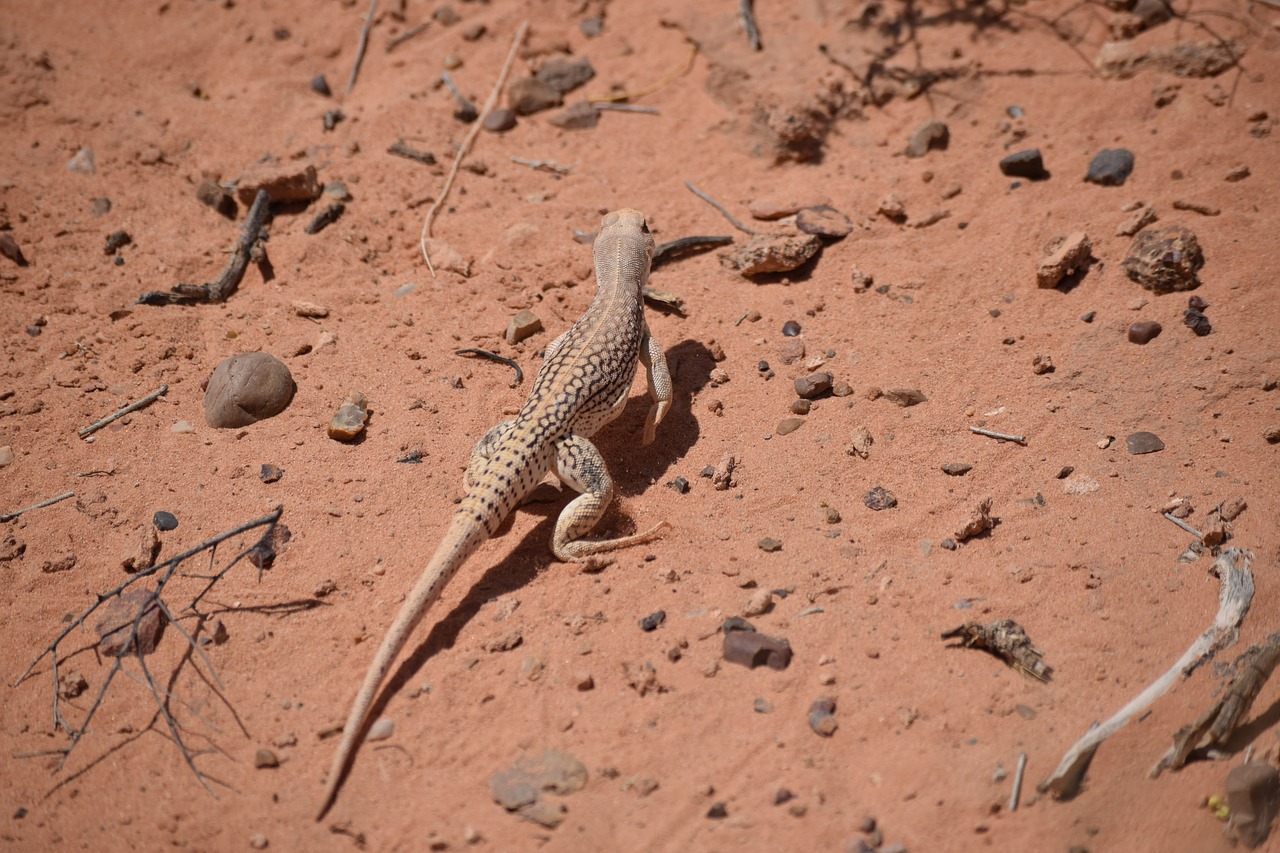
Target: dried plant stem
362, 46
120, 413
718, 206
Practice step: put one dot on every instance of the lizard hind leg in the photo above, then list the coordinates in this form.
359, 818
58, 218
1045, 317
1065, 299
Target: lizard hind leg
580, 466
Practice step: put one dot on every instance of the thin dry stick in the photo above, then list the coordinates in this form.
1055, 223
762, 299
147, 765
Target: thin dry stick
115, 416
726, 214
9, 516
626, 108
393, 43
1184, 525
1234, 597
1017, 782
360, 48
466, 143
749, 23
1020, 439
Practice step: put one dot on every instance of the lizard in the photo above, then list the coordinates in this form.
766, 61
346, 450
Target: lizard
583, 384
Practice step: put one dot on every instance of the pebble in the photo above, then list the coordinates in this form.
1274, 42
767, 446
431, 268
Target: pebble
904, 397
348, 422
1197, 207
978, 522
790, 329
284, 182
680, 484
117, 240
210, 194
1271, 435
530, 95
1141, 218
931, 134
583, 681
753, 649
247, 388
265, 758
762, 706
10, 249
270, 473
165, 520
1143, 442
1024, 164
956, 469
582, 115
474, 31
879, 499
182, 426
1197, 322
1237, 173
320, 85
499, 120
718, 811
564, 74
6, 456
1063, 258
862, 281
813, 386
801, 407
769, 545
822, 716
768, 253
824, 221
310, 310
382, 730
1165, 260
789, 425
653, 620
1253, 795
892, 208
523, 325
82, 162
1144, 331
791, 350
860, 443
1110, 167
760, 602
782, 795
258, 841
841, 389
1042, 364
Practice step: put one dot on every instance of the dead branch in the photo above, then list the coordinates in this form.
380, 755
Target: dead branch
361, 46
720, 207
142, 605
1234, 598
120, 413
1006, 640
9, 516
248, 247
1215, 726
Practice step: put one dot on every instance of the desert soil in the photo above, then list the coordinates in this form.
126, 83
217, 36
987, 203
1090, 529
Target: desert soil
172, 93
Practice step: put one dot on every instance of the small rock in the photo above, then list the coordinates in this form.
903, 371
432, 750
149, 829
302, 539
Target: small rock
444, 257
1042, 364
219, 633
860, 443
582, 115
892, 208
382, 729
82, 162
760, 602
1165, 260
6, 456
931, 134
62, 563
259, 841
832, 515
283, 182
653, 620
1063, 258
310, 309
1237, 173
531, 95
10, 249
348, 422
71, 684
499, 120
978, 522
904, 397
790, 329
718, 811
523, 325
752, 649
474, 31
1110, 167
165, 520
768, 253
1024, 164
813, 386
956, 469
782, 795
789, 425
1143, 442
1141, 218
879, 499
265, 758
1197, 322
680, 484
822, 716
270, 473
245, 389
320, 85
769, 545
841, 389
211, 194
1144, 331
583, 681
801, 407
564, 74
116, 240
1253, 795
824, 221
1231, 509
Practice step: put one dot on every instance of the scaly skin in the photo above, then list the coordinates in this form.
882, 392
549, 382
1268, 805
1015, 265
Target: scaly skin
583, 384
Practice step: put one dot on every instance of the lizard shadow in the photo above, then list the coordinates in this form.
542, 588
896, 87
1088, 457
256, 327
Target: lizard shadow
690, 364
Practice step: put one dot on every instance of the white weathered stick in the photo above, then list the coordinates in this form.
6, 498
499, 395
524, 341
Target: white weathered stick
1184, 525
120, 413
1234, 597
9, 516
1017, 782
1020, 439
466, 144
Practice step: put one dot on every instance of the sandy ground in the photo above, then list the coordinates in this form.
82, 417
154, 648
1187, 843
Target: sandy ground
167, 94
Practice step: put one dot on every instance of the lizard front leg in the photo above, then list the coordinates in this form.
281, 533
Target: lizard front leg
655, 368
580, 466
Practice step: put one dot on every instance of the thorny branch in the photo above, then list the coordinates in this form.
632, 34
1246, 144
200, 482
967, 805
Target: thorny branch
149, 605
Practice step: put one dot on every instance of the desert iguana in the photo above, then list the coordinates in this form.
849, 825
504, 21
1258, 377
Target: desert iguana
583, 384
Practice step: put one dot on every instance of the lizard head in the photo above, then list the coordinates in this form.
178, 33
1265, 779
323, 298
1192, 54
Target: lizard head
628, 224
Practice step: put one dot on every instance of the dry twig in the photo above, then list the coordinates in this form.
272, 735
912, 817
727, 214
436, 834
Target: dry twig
144, 604
665, 81
1019, 439
363, 44
749, 23
718, 206
1008, 641
670, 250
120, 413
466, 143
9, 516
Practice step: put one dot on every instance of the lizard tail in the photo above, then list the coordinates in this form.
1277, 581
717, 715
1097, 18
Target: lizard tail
465, 533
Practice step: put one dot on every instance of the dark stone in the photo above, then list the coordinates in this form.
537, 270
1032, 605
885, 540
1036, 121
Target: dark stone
591, 27
1088, 316
115, 240
1144, 331
1024, 164
320, 86
1165, 260
1195, 303
949, 544
1197, 322
580, 116
270, 473
653, 620
736, 623
822, 716
1110, 167
164, 520
956, 469
680, 484
790, 328
530, 95
880, 498
331, 118
1065, 471
1144, 442
499, 120
752, 649
813, 386
10, 249
718, 811
1253, 795
564, 74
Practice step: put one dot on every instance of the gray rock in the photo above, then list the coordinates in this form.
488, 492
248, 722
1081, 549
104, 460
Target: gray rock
813, 386
1253, 795
580, 116
879, 499
1110, 167
530, 95
1027, 164
1143, 442
931, 134
245, 389
564, 74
